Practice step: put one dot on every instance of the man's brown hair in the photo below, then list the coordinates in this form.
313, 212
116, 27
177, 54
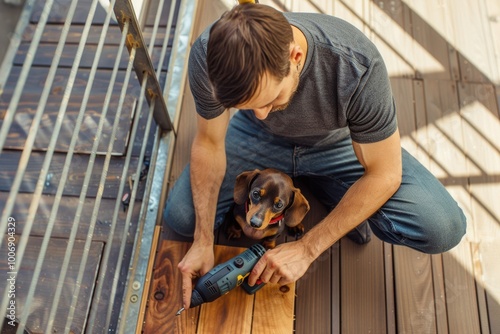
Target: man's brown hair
246, 42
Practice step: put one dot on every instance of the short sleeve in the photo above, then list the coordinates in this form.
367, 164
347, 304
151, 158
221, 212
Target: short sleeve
372, 113
206, 104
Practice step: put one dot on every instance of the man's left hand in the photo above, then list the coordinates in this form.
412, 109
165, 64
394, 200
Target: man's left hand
283, 265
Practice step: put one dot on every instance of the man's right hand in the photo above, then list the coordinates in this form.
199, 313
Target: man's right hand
196, 263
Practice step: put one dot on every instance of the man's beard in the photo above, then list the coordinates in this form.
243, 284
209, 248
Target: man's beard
294, 90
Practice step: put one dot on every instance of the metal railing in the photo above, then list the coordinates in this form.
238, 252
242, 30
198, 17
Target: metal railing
157, 117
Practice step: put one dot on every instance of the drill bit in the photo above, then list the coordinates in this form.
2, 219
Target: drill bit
180, 311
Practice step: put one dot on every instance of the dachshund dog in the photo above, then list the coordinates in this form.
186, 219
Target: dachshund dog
266, 201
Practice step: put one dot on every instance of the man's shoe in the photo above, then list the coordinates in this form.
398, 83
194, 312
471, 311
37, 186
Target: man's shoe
362, 234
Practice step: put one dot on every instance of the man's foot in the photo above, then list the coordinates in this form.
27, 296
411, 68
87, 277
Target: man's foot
361, 234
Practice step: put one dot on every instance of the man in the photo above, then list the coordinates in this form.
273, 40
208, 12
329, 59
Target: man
315, 101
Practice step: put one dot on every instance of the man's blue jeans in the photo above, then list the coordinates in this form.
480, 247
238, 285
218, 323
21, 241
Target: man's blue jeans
421, 214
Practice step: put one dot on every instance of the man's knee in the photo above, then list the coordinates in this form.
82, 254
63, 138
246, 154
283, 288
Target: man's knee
178, 217
444, 233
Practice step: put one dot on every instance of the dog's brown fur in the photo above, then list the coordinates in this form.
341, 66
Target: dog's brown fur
260, 197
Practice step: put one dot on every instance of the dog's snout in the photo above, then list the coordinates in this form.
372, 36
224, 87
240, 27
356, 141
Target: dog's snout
256, 222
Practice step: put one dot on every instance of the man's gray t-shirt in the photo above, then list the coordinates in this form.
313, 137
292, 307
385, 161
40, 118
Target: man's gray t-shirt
343, 87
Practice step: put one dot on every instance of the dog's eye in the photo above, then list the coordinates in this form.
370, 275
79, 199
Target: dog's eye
256, 194
278, 205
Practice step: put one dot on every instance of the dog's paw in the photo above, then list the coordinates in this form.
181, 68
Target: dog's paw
296, 231
269, 244
233, 232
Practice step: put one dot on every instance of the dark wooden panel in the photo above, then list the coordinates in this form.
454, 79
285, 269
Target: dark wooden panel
45, 54
165, 12
66, 214
9, 162
318, 300
52, 34
362, 287
30, 98
60, 8
46, 285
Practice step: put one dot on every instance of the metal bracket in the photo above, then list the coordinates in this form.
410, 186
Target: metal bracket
124, 12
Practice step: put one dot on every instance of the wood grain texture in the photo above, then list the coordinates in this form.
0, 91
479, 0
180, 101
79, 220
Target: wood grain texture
78, 168
231, 313
414, 291
312, 313
165, 296
362, 287
30, 100
46, 285
65, 216
274, 309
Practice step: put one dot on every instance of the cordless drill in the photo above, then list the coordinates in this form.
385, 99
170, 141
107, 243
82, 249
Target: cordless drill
227, 276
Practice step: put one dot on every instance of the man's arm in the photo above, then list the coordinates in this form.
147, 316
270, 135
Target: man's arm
208, 166
383, 170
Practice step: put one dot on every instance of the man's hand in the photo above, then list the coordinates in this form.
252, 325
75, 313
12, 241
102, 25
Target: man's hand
196, 263
283, 265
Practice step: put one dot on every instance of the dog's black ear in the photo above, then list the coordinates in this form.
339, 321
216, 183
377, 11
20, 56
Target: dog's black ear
242, 185
298, 210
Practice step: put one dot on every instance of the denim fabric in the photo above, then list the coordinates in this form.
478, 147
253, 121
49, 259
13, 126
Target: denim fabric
421, 214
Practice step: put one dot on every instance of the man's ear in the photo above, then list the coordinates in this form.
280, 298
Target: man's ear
296, 54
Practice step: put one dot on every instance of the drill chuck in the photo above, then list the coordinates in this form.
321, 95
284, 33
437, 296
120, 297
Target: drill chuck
226, 276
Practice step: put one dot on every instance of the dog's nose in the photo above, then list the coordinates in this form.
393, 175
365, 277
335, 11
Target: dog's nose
255, 222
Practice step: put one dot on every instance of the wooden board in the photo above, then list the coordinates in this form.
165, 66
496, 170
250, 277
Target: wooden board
235, 312
363, 305
481, 125
30, 100
60, 8
65, 216
314, 314
45, 54
9, 160
46, 285
52, 34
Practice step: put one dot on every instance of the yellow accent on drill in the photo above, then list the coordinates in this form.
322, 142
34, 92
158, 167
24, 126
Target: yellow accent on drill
241, 278
246, 1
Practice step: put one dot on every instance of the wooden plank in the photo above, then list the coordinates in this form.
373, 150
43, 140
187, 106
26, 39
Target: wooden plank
362, 287
493, 14
9, 160
45, 53
278, 301
65, 216
480, 113
396, 47
472, 40
414, 291
442, 110
433, 55
165, 296
234, 312
231, 313
412, 270
52, 34
461, 297
30, 99
317, 307
165, 12
47, 283
60, 8
390, 292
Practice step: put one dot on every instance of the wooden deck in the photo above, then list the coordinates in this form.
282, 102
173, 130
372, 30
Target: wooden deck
443, 58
